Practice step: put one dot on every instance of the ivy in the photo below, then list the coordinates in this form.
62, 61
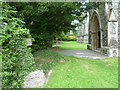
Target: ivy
17, 59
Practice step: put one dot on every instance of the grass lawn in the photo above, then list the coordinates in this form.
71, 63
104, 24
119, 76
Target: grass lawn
72, 45
0, 70
0, 62
74, 72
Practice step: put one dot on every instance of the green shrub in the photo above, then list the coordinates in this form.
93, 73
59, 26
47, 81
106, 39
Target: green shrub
41, 41
17, 59
68, 39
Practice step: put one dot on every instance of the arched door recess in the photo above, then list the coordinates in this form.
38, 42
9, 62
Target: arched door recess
95, 32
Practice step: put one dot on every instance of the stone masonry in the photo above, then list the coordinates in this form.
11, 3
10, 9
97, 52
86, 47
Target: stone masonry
104, 35
83, 31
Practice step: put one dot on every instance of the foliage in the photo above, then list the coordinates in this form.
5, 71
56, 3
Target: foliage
75, 32
41, 41
92, 5
47, 20
67, 38
17, 59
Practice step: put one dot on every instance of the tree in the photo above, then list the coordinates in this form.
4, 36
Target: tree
47, 20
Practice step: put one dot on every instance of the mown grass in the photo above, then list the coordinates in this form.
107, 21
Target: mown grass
0, 62
72, 45
74, 72
47, 59
0, 70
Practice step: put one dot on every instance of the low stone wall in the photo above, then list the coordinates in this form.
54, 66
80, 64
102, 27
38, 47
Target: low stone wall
103, 50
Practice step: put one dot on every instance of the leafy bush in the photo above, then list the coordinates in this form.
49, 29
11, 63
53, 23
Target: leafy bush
41, 41
17, 59
67, 38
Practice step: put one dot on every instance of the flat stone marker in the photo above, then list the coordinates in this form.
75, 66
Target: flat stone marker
34, 79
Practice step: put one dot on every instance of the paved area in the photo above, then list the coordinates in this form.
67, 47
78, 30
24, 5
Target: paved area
83, 53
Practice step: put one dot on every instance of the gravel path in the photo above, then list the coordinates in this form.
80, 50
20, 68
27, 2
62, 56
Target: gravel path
83, 53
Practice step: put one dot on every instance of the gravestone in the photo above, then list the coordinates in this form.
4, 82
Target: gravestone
34, 79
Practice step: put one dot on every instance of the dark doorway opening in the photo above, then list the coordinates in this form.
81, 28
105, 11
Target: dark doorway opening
99, 39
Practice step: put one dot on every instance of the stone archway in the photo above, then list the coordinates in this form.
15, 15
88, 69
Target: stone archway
95, 32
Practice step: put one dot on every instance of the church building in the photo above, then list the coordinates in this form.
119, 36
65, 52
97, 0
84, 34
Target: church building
100, 29
103, 29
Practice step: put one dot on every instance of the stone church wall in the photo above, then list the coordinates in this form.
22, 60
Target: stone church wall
119, 24
104, 26
82, 36
103, 20
109, 36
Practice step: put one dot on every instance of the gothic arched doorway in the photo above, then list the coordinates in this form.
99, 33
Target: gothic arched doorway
95, 32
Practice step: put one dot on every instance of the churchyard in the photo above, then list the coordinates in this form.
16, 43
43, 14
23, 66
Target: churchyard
59, 44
